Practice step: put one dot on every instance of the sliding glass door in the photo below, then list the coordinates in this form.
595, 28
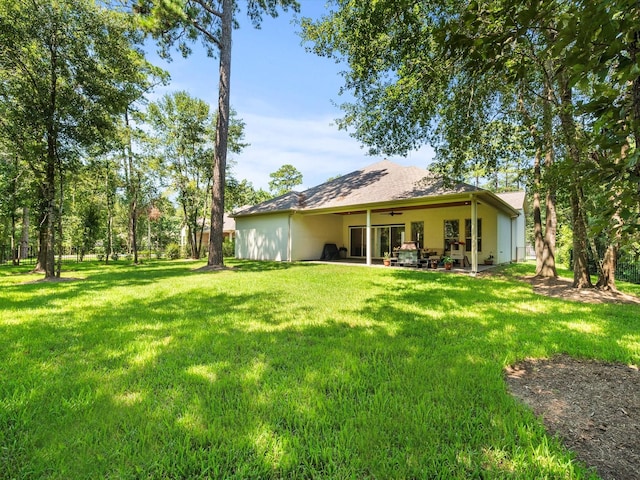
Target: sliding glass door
383, 239
358, 241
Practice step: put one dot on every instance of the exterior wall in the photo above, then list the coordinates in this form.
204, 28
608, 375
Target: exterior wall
519, 229
505, 240
263, 237
433, 219
282, 237
309, 233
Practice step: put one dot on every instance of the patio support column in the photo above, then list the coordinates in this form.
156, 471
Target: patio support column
474, 234
368, 237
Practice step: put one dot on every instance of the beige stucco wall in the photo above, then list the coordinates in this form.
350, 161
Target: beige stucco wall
263, 237
433, 219
309, 233
505, 240
284, 237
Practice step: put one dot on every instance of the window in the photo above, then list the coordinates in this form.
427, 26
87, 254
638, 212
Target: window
467, 232
451, 232
417, 233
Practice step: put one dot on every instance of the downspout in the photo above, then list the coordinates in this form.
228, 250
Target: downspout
368, 236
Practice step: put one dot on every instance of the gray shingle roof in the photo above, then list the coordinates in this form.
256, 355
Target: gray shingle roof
513, 199
384, 181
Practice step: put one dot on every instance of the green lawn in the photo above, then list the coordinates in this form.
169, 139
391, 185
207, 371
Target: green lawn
283, 371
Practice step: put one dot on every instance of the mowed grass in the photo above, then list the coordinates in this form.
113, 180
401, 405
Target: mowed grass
284, 371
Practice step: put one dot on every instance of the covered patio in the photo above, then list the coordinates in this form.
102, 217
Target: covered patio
378, 263
370, 213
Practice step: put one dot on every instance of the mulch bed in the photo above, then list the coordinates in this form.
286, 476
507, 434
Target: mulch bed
594, 407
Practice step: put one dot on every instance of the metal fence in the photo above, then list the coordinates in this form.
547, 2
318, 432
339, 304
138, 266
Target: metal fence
69, 255
7, 256
625, 271
628, 272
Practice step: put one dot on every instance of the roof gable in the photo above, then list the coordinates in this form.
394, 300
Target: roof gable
515, 200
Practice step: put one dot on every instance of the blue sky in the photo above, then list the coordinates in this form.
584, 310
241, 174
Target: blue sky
286, 97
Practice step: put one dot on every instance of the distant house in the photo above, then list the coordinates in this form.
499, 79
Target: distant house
228, 232
371, 211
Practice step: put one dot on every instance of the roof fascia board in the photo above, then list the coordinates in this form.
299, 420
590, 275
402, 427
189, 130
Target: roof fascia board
432, 202
496, 202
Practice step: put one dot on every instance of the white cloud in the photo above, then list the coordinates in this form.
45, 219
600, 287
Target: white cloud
313, 145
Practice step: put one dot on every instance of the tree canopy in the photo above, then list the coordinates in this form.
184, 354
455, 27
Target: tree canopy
491, 82
69, 69
284, 179
179, 23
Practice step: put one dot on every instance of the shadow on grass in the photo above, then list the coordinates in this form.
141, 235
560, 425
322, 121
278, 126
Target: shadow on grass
226, 381
95, 277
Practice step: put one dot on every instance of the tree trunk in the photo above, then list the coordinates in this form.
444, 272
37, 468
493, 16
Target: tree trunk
548, 268
133, 191
548, 263
42, 240
50, 224
581, 278
59, 216
15, 257
222, 132
24, 241
607, 275
544, 239
110, 206
49, 187
15, 253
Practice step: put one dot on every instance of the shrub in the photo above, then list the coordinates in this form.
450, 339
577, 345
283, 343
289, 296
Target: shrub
173, 251
228, 248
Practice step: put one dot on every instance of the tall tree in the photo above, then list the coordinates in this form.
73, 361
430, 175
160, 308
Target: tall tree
242, 193
604, 50
424, 71
180, 22
184, 136
68, 70
284, 179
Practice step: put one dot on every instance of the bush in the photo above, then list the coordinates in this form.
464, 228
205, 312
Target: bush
228, 248
173, 251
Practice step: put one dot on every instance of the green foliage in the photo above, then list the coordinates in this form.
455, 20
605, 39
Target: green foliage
492, 83
178, 24
284, 180
172, 251
229, 248
68, 71
240, 194
271, 370
564, 245
182, 138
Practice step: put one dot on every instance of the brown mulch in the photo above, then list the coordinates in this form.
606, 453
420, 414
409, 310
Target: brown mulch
561, 288
594, 407
54, 280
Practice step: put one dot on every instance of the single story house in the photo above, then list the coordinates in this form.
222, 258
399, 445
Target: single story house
228, 231
374, 210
